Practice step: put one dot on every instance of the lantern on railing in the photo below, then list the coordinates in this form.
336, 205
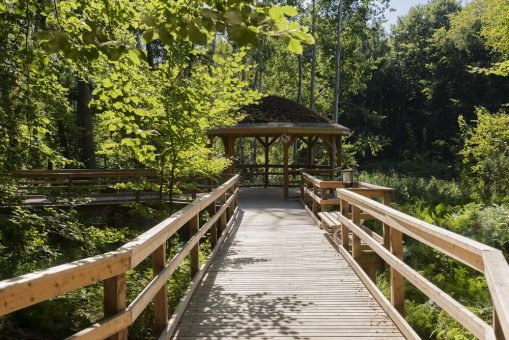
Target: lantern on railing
347, 176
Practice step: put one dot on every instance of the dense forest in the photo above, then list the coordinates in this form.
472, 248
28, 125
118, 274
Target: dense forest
136, 84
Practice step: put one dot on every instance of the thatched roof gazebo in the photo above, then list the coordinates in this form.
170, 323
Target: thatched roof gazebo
276, 118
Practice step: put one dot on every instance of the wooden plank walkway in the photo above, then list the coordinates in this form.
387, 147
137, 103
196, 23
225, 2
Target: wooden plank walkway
277, 276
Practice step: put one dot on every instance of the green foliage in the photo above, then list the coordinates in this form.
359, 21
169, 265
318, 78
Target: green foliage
486, 155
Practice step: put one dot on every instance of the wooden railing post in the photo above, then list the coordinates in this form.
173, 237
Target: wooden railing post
397, 280
323, 207
161, 297
224, 219
497, 327
194, 226
302, 181
213, 229
314, 206
386, 199
115, 301
231, 208
356, 241
344, 229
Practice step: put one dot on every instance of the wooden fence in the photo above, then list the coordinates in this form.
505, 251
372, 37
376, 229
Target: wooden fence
351, 237
111, 268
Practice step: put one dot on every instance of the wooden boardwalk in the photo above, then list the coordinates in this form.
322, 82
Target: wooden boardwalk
277, 276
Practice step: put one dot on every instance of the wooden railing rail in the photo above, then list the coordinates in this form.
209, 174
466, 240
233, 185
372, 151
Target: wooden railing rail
355, 206
27, 290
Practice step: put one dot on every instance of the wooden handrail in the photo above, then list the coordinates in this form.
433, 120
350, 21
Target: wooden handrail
481, 257
82, 173
29, 289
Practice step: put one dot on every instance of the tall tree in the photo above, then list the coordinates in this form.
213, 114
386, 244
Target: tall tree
337, 62
84, 114
313, 58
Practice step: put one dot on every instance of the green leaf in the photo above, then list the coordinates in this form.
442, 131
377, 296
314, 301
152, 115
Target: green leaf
276, 12
233, 17
197, 36
148, 36
107, 83
149, 20
295, 46
133, 56
289, 11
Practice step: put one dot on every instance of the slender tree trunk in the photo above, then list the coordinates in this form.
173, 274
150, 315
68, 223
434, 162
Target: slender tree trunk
212, 53
62, 138
299, 90
313, 58
338, 61
85, 121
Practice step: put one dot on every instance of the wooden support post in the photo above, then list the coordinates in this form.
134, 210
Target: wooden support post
231, 208
302, 183
323, 207
386, 199
314, 205
266, 149
224, 219
333, 158
115, 301
213, 229
344, 208
231, 142
339, 156
310, 144
356, 241
497, 328
397, 280
194, 226
286, 179
161, 297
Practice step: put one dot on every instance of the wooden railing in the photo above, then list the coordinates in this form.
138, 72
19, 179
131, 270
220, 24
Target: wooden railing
81, 177
352, 236
265, 174
111, 268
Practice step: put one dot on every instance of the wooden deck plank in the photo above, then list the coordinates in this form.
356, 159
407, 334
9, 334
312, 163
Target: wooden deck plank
279, 277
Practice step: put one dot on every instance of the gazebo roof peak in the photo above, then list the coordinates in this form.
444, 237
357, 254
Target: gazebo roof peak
276, 115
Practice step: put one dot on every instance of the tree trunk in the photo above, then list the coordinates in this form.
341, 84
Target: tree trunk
85, 120
299, 90
313, 58
338, 60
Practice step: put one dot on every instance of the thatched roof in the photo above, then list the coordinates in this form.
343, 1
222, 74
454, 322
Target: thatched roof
274, 114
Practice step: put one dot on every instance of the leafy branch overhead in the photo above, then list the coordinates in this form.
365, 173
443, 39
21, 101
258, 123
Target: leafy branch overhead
84, 29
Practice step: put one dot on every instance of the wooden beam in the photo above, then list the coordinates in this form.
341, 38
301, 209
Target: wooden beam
333, 155
356, 241
194, 227
161, 297
386, 199
223, 215
344, 208
339, 152
115, 301
286, 146
213, 230
266, 150
397, 280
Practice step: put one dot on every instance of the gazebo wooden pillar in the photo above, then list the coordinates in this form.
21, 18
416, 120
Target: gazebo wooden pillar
279, 119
